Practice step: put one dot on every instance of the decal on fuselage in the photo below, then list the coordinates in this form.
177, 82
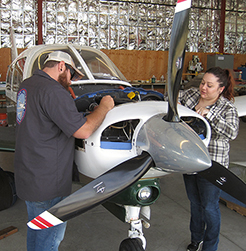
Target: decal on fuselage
21, 105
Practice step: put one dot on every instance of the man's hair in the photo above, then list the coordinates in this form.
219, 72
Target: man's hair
50, 64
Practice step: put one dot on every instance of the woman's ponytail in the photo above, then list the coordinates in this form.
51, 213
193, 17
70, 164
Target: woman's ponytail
229, 88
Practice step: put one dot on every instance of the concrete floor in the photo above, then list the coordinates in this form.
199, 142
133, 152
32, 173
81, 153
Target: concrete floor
97, 229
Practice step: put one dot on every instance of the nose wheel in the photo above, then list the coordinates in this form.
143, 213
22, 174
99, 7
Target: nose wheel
136, 240
129, 244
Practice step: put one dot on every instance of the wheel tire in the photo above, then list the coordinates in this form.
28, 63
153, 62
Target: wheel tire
129, 244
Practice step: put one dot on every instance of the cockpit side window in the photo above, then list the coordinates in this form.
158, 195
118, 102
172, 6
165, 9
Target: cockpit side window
39, 62
9, 78
18, 70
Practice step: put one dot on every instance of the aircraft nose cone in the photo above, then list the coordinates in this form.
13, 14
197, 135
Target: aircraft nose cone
174, 146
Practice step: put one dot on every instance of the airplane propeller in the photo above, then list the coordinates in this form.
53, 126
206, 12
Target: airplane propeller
119, 177
94, 193
225, 180
216, 174
176, 56
125, 174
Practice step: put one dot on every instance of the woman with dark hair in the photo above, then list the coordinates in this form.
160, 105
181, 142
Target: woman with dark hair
213, 100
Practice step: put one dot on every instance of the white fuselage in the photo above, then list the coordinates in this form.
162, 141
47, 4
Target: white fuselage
94, 160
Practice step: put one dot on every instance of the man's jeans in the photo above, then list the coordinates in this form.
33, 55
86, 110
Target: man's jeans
45, 239
205, 211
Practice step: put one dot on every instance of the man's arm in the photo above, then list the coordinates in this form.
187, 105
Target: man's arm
95, 119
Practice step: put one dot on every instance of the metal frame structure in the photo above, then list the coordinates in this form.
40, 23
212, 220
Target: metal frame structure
216, 26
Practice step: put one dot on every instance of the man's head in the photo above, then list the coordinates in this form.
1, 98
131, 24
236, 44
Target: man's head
60, 56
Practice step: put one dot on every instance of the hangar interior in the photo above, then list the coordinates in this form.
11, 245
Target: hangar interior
169, 224
135, 35
127, 31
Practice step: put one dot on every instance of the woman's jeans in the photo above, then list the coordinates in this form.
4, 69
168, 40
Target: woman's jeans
45, 239
205, 211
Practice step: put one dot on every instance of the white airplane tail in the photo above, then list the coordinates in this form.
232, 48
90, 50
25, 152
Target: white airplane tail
14, 52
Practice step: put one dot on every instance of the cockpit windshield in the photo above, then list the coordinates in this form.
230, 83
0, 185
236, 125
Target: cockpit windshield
100, 67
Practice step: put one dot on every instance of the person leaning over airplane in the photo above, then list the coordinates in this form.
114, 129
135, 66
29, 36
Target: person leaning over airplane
213, 101
47, 123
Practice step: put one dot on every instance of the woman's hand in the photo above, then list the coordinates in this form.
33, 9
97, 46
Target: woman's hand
202, 111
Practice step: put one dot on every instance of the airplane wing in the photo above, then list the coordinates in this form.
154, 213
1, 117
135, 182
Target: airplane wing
240, 103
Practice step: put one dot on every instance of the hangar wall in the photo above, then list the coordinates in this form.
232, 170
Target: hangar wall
215, 25
142, 65
134, 64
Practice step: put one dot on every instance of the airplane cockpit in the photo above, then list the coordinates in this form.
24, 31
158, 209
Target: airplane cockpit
101, 77
99, 71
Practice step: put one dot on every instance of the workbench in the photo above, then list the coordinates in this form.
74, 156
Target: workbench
157, 86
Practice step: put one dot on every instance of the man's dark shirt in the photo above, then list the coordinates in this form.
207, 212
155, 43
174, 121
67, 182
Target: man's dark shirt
46, 120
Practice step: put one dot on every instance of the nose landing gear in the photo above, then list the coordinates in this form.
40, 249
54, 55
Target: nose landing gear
136, 240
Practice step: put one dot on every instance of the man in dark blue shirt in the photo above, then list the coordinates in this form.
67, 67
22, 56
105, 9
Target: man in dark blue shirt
47, 123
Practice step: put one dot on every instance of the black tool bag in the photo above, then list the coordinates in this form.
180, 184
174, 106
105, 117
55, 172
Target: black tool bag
7, 189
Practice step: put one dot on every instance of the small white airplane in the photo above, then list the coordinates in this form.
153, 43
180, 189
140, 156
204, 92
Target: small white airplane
141, 139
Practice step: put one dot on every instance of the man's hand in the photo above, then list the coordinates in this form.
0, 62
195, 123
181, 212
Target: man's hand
107, 102
95, 118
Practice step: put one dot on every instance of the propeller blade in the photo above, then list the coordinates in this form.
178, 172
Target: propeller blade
94, 193
226, 181
176, 56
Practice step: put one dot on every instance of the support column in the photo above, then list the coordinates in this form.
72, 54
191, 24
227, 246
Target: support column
40, 22
222, 26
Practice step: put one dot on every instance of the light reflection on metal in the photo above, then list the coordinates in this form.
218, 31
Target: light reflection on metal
168, 146
183, 142
125, 24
